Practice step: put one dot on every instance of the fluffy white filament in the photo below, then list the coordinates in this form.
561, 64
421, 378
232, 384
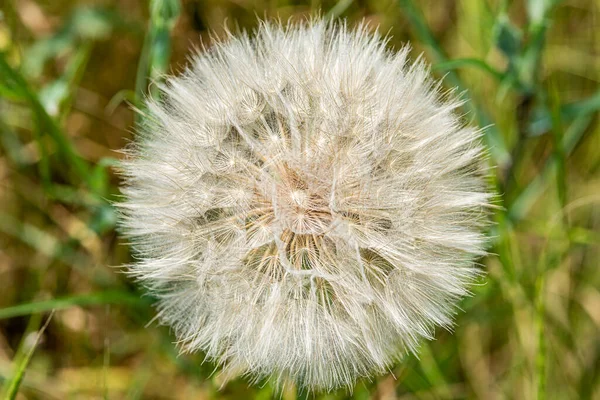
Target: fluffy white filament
305, 204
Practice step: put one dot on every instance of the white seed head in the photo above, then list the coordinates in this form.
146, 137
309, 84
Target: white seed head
305, 204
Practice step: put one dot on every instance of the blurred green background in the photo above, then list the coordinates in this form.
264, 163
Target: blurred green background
73, 326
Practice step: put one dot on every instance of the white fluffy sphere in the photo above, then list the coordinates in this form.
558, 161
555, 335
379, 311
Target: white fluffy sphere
305, 204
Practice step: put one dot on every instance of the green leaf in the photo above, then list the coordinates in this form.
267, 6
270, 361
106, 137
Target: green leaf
537, 10
583, 107
542, 117
52, 95
91, 299
10, 93
508, 38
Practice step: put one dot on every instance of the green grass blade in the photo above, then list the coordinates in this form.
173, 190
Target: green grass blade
468, 62
22, 363
526, 199
141, 78
568, 112
45, 122
540, 359
432, 371
559, 150
415, 17
494, 139
156, 50
19, 94
582, 107
92, 299
73, 75
338, 9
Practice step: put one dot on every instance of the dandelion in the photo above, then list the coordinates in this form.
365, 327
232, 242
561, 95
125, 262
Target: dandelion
305, 204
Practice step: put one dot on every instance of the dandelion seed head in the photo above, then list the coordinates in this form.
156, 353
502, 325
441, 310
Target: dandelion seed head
305, 204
